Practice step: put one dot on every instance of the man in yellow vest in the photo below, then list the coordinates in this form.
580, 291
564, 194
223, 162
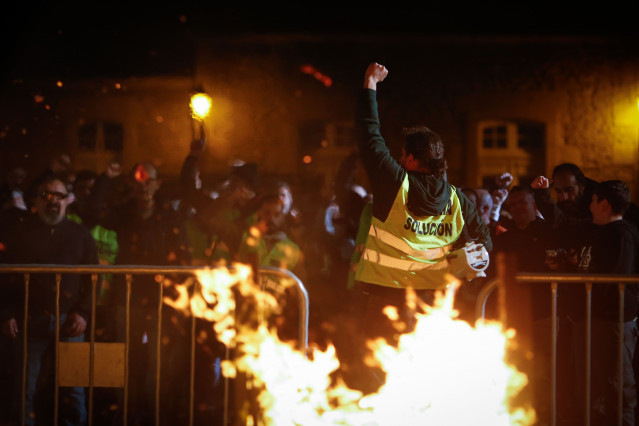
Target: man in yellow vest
418, 218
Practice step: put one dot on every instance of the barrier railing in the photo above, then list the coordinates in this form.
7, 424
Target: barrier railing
571, 279
129, 271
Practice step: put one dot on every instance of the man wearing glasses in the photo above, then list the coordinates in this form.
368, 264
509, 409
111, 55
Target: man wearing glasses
46, 236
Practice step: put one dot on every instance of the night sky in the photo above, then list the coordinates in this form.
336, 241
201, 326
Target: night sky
109, 40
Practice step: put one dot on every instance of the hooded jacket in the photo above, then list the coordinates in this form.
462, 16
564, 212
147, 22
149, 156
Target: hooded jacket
427, 196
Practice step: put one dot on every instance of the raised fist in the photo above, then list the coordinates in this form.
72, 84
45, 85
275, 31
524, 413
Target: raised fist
504, 180
540, 182
375, 73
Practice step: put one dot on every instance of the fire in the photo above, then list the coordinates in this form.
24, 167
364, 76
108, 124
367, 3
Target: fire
444, 372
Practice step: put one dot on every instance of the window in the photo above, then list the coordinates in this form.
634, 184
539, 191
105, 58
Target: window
113, 137
495, 137
100, 137
88, 136
514, 146
512, 135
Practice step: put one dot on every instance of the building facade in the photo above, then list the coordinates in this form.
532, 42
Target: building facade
521, 105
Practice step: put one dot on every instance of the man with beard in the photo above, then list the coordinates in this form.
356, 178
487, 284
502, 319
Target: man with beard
608, 244
47, 237
574, 193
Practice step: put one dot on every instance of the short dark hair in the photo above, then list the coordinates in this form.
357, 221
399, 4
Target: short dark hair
616, 193
38, 183
47, 179
571, 168
427, 148
522, 188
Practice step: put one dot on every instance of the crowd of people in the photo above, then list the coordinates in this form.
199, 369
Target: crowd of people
67, 215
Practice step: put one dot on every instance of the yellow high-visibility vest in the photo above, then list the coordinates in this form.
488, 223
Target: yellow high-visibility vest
409, 251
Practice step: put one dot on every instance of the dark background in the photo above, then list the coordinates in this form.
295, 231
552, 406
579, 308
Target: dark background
98, 39
42, 43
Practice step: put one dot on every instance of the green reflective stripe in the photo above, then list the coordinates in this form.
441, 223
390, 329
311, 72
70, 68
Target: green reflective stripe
106, 240
107, 243
435, 254
365, 219
284, 254
74, 218
403, 264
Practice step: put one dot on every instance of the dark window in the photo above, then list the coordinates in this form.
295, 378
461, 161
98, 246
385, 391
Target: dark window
113, 137
488, 137
530, 136
88, 136
501, 137
495, 137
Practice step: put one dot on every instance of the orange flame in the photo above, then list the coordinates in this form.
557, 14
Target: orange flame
444, 372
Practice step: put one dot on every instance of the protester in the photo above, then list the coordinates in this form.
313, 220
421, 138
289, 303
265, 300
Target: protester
149, 232
607, 245
417, 219
48, 237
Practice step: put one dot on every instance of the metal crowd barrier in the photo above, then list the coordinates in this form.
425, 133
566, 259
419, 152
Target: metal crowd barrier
588, 280
129, 271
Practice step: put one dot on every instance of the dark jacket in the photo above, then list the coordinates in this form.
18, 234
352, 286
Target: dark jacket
558, 218
31, 241
529, 246
607, 249
160, 239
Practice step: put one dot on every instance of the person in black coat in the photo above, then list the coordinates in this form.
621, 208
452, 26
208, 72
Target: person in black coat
47, 237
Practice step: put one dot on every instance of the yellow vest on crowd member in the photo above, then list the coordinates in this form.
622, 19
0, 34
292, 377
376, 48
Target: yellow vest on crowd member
409, 251
106, 241
365, 219
206, 249
283, 254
